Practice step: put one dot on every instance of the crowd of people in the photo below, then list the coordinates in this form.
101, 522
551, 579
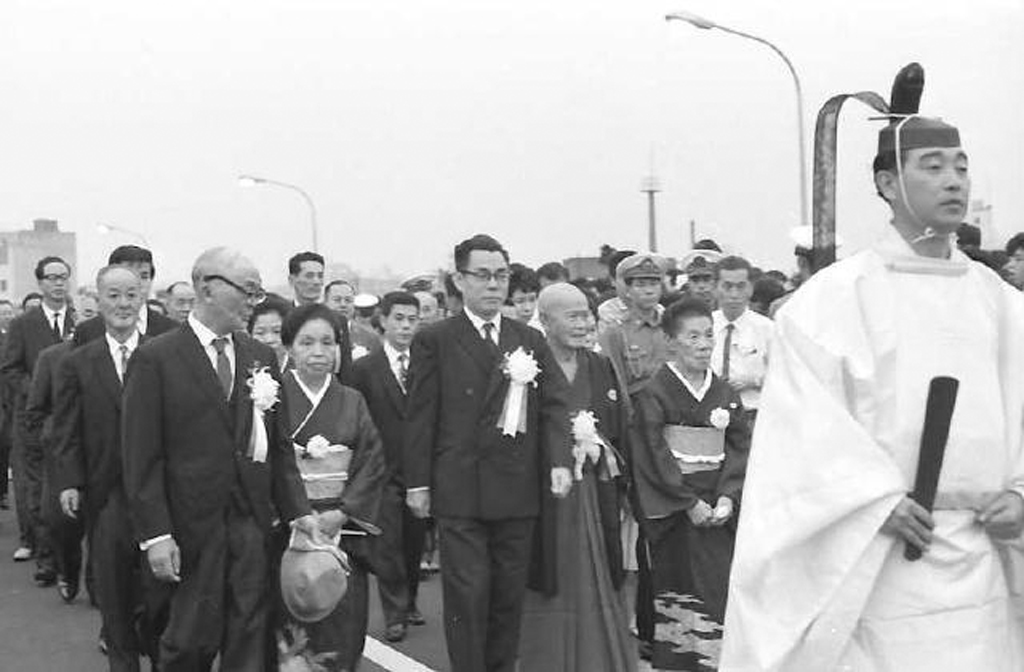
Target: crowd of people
236, 464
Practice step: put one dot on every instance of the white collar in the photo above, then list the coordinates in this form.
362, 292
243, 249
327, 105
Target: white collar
314, 397
723, 320
698, 394
143, 321
479, 322
51, 313
115, 346
204, 333
394, 353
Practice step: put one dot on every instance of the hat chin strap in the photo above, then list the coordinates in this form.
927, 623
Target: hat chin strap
929, 231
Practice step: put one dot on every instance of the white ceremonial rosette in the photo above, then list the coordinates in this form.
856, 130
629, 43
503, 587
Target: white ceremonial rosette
588, 445
521, 369
323, 467
720, 418
263, 391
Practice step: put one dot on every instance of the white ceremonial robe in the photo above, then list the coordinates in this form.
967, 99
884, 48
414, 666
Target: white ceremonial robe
816, 585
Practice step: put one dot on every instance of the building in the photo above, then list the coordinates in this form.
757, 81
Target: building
585, 267
20, 251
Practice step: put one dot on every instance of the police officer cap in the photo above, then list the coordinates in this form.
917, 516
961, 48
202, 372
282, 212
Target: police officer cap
642, 265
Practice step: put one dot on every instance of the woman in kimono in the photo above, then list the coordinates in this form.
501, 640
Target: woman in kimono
265, 325
341, 460
574, 616
689, 459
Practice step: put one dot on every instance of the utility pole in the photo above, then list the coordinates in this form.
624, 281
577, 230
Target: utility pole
651, 186
693, 234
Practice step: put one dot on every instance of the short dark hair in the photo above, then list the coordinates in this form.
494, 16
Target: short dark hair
269, 305
398, 298
450, 288
481, 242
30, 297
337, 283
681, 310
298, 317
733, 263
766, 290
132, 254
523, 279
885, 162
553, 271
295, 263
616, 259
157, 306
707, 244
41, 266
1015, 243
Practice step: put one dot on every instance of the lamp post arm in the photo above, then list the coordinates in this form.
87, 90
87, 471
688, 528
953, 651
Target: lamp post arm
309, 201
804, 217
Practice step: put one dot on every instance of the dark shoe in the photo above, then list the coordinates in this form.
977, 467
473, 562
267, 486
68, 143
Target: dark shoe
414, 617
103, 644
395, 633
68, 590
646, 650
45, 578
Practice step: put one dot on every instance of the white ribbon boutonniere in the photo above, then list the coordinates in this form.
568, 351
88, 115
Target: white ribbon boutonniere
720, 418
588, 445
263, 391
521, 369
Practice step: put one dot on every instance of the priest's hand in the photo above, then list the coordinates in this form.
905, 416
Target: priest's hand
1003, 518
165, 560
331, 522
722, 512
418, 501
561, 481
700, 513
910, 522
70, 501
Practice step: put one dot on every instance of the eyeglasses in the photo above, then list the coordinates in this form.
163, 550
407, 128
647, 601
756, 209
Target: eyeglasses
253, 296
500, 276
56, 277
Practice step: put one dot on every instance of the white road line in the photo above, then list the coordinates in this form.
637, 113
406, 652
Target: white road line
390, 659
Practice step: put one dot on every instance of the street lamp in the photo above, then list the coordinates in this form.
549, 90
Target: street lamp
252, 180
105, 229
706, 24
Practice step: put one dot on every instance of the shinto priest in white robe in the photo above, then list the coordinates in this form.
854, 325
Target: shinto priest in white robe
815, 584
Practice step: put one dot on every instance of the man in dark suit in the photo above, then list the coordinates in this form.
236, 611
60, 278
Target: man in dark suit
203, 483
62, 537
469, 461
87, 459
139, 260
7, 313
382, 377
29, 334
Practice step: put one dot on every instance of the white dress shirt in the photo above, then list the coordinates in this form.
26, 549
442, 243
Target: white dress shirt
479, 322
60, 315
143, 322
115, 350
393, 354
206, 339
748, 356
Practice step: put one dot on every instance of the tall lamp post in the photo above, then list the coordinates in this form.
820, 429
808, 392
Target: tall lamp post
252, 180
106, 229
706, 24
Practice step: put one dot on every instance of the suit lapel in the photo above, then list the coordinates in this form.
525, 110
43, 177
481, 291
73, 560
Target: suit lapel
106, 373
508, 340
244, 364
472, 342
391, 386
198, 364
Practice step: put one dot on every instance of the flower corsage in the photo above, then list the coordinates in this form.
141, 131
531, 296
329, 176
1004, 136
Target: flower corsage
521, 369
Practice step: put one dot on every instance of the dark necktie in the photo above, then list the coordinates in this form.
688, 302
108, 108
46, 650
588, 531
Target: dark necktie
403, 371
489, 330
223, 366
124, 361
56, 327
726, 349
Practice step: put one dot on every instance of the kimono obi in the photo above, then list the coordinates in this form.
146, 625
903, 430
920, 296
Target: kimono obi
323, 467
696, 449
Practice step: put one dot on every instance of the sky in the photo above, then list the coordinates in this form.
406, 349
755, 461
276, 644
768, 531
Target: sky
415, 123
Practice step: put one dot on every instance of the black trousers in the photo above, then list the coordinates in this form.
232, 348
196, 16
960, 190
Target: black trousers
117, 564
60, 537
221, 604
27, 467
484, 567
396, 555
5, 450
